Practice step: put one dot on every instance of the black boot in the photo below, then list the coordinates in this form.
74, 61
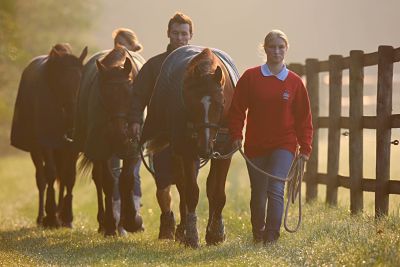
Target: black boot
258, 236
167, 226
271, 236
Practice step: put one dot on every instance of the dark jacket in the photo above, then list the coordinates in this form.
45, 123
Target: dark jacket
144, 83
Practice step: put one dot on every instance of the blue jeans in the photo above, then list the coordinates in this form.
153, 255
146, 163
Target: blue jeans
115, 163
267, 193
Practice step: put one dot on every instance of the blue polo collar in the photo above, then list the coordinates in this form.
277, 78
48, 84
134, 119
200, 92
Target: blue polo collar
282, 75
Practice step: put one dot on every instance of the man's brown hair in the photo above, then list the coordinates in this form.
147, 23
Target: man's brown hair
181, 18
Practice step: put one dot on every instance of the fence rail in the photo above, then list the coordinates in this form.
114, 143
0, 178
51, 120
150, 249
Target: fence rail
383, 122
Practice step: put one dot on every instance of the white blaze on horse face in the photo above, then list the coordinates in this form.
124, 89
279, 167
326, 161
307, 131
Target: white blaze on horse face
206, 101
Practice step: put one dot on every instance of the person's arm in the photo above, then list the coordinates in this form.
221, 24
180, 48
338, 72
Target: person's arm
237, 111
141, 92
303, 121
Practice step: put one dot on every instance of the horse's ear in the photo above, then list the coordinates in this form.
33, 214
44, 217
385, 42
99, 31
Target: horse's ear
218, 75
100, 66
83, 54
127, 66
54, 52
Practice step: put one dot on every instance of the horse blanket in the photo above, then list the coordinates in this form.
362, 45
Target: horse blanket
166, 111
92, 119
38, 119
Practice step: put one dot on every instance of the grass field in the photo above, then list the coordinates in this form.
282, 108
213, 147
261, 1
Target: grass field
328, 236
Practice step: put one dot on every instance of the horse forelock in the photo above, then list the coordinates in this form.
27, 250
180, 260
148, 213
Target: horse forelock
115, 57
202, 66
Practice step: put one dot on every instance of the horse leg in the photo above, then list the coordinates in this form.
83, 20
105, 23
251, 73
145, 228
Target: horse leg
51, 219
192, 199
215, 229
211, 188
108, 189
130, 219
40, 183
180, 185
61, 196
59, 162
97, 178
67, 176
115, 167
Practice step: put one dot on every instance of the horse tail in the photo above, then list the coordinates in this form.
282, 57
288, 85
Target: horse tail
85, 165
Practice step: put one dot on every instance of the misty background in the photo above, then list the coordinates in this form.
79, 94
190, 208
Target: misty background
315, 28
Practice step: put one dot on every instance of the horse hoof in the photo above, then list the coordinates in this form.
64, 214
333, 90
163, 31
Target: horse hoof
51, 222
192, 242
215, 232
67, 225
192, 235
214, 238
100, 230
110, 233
39, 221
180, 233
135, 225
167, 226
122, 232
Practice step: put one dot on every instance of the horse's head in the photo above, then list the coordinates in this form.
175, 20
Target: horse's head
63, 75
115, 86
204, 100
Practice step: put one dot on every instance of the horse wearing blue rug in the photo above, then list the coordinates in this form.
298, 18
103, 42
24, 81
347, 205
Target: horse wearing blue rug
102, 130
42, 125
188, 111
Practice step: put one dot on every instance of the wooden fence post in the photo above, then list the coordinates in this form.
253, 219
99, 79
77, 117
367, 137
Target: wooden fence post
312, 77
356, 91
297, 68
383, 130
335, 107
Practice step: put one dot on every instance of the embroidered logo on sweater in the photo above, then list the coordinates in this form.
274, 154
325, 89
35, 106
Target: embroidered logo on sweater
286, 95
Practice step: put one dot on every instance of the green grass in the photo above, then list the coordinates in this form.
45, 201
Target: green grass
328, 236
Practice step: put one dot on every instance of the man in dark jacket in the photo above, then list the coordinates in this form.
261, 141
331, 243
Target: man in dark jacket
180, 31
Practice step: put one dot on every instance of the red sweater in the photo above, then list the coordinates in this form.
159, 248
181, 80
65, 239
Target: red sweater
278, 113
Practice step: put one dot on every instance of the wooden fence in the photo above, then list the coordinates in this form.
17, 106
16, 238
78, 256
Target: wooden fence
383, 122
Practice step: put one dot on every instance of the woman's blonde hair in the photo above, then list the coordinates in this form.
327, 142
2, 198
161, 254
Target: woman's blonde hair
275, 34
128, 36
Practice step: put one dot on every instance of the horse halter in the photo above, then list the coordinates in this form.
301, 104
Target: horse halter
194, 128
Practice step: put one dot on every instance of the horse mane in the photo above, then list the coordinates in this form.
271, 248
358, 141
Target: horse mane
60, 49
116, 57
203, 64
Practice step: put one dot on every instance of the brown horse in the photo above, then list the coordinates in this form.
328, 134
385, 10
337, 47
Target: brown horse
42, 125
189, 110
102, 130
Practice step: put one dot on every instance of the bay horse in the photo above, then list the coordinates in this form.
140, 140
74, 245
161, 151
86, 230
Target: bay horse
188, 111
42, 125
102, 130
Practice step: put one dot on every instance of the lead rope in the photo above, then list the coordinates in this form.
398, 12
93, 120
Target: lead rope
294, 191
294, 179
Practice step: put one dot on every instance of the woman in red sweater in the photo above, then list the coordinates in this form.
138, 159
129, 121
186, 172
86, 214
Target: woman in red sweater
278, 120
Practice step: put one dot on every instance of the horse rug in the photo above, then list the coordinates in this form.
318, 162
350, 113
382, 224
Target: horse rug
92, 119
38, 119
166, 112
